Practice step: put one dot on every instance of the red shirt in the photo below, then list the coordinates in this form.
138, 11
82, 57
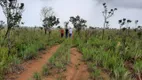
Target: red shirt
62, 31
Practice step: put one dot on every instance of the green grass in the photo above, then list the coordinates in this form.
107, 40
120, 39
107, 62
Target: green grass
62, 56
25, 45
110, 53
37, 76
45, 70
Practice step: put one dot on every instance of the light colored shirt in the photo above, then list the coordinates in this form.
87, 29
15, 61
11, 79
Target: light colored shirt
70, 30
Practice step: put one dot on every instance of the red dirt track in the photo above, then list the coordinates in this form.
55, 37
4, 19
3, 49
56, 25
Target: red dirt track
35, 65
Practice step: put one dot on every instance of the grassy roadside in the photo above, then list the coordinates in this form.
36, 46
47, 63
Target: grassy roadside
25, 45
109, 57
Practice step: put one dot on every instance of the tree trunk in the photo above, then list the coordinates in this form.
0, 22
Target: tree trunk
45, 31
7, 32
7, 37
9, 43
78, 31
103, 33
49, 33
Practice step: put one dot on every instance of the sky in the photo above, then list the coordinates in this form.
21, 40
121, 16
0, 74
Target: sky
90, 10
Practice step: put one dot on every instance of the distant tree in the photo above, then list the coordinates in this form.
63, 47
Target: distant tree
129, 21
128, 26
90, 27
48, 19
49, 22
66, 24
139, 27
59, 27
40, 28
121, 22
46, 12
78, 23
13, 12
107, 14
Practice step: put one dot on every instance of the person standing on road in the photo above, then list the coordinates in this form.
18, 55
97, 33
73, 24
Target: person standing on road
70, 32
67, 32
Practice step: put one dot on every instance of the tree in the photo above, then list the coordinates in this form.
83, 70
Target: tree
107, 14
49, 22
48, 19
66, 24
128, 27
78, 23
139, 27
46, 12
59, 27
122, 22
13, 12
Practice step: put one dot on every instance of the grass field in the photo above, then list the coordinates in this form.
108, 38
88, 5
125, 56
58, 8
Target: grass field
116, 57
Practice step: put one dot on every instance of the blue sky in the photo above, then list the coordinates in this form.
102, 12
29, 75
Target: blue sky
91, 10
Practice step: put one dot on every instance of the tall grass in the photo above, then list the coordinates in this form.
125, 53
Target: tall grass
25, 44
110, 54
62, 56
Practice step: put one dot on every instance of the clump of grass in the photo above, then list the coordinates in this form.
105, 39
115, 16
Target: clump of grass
62, 56
45, 70
120, 73
96, 74
37, 76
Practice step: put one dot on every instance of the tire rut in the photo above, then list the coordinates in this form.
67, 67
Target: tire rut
35, 65
77, 69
